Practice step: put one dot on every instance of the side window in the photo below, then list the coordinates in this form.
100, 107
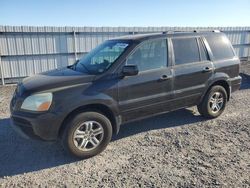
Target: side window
185, 50
150, 55
203, 51
220, 46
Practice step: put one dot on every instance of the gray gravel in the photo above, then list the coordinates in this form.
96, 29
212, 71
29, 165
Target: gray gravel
178, 149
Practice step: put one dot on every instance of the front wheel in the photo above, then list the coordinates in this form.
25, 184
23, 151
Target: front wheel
87, 134
214, 102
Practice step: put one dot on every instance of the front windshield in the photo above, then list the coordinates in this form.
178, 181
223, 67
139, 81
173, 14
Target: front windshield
102, 57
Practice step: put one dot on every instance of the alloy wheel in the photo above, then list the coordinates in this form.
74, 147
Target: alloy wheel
88, 135
216, 102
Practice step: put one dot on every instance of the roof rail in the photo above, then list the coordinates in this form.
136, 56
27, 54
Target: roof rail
172, 31
216, 31
195, 31
178, 31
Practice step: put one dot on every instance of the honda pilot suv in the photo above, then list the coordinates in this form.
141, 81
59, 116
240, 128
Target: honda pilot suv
122, 80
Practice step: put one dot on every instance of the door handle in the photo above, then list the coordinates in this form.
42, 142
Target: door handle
207, 69
164, 77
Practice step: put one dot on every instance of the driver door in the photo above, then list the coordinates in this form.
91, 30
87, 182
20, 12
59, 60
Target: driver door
150, 91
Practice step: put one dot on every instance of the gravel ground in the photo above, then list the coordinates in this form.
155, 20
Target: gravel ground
178, 149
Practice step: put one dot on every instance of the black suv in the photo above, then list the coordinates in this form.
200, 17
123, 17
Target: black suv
122, 80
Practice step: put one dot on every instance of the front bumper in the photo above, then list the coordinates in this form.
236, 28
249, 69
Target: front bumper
43, 126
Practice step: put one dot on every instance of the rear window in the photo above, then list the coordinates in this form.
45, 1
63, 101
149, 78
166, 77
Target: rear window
185, 50
220, 46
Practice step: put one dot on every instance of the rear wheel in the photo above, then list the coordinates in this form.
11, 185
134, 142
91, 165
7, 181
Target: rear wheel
87, 134
213, 103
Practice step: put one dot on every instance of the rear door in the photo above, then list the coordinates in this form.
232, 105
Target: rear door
148, 92
192, 69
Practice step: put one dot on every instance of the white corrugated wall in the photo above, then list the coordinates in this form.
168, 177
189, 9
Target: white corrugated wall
27, 50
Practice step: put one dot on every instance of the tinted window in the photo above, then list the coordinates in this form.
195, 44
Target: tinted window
150, 55
203, 51
185, 50
220, 46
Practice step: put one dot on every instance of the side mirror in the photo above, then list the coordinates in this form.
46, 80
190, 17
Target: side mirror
130, 70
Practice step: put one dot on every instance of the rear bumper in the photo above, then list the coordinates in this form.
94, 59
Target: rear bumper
235, 83
36, 126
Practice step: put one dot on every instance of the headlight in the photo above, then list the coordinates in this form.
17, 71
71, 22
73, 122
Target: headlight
37, 102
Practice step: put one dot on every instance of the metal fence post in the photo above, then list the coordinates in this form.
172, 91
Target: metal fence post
1, 71
75, 48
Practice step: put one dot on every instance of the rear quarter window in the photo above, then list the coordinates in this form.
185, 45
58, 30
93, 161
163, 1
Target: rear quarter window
220, 46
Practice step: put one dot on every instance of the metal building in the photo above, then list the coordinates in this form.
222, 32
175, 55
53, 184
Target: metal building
25, 50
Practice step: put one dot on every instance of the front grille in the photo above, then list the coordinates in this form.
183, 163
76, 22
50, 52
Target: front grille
16, 101
13, 101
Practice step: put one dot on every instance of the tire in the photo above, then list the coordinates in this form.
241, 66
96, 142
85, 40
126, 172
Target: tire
78, 138
207, 107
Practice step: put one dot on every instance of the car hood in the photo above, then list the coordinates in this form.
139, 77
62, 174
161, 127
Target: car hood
57, 78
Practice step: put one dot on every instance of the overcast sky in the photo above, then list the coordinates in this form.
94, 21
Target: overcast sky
125, 12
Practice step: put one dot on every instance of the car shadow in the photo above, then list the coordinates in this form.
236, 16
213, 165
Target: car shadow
245, 84
167, 120
19, 155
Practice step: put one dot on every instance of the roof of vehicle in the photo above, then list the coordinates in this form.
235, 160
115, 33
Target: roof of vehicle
141, 37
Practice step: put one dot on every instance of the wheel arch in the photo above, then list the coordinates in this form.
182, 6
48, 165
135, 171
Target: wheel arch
100, 108
220, 82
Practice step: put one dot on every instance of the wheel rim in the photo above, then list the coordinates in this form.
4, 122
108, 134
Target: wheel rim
216, 102
88, 135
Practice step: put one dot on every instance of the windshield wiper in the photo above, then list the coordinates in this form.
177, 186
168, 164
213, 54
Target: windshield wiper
73, 67
84, 66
